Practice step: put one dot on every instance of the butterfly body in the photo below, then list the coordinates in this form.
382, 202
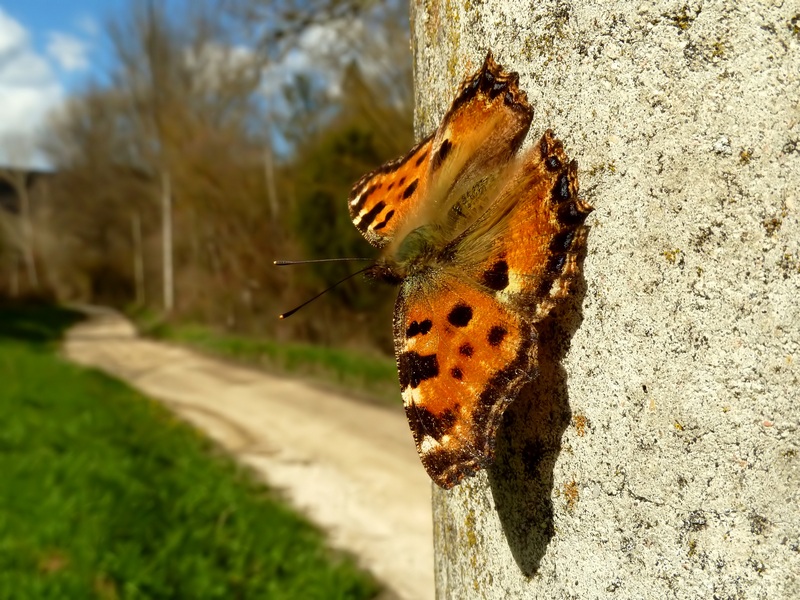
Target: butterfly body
483, 241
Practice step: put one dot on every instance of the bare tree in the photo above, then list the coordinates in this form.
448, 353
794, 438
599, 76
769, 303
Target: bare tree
276, 25
184, 102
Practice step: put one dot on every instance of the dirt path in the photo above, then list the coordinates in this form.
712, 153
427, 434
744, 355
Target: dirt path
349, 466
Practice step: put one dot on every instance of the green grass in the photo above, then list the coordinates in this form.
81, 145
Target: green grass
371, 374
104, 494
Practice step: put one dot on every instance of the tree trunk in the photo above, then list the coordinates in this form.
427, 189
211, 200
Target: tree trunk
269, 180
26, 222
166, 222
15, 276
657, 456
138, 258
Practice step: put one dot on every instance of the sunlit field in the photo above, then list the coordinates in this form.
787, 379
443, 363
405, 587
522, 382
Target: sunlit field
104, 494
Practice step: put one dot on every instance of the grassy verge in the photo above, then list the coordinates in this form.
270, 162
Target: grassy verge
104, 494
373, 375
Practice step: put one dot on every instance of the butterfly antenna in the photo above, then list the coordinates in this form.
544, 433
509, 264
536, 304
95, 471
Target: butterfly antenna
288, 314
284, 263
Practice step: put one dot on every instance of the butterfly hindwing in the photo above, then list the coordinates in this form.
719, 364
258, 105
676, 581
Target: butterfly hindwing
461, 356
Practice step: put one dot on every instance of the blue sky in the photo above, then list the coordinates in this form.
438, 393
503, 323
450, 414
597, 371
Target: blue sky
50, 49
71, 29
47, 49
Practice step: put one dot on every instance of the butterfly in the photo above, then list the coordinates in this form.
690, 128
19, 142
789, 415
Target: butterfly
483, 241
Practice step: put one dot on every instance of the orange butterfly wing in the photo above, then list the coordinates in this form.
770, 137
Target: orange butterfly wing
484, 127
528, 244
461, 358
465, 335
385, 198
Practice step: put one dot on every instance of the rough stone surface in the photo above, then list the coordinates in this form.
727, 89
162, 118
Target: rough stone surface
658, 454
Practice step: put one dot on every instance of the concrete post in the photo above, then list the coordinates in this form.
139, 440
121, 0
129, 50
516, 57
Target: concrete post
658, 455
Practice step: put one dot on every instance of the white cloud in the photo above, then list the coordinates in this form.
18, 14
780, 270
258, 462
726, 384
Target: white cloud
71, 53
29, 90
88, 25
12, 34
23, 68
214, 62
321, 53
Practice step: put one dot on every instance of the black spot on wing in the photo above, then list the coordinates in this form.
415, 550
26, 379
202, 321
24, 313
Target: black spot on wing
355, 209
460, 315
410, 189
366, 220
466, 349
487, 80
456, 373
571, 214
385, 221
429, 423
552, 270
561, 189
555, 264
496, 335
447, 418
498, 88
496, 276
412, 330
441, 154
552, 163
420, 159
562, 241
550, 148
414, 368
419, 328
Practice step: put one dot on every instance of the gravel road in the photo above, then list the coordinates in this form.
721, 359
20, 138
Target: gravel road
349, 466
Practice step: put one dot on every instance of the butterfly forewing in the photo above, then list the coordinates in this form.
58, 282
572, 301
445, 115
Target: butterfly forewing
383, 200
481, 131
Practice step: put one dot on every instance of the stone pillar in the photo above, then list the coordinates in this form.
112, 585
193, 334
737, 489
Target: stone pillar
658, 455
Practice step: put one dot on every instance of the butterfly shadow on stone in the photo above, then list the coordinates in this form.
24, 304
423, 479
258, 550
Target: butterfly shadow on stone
529, 440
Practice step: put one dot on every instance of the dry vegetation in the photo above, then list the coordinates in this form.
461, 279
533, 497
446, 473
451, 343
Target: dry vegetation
196, 144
